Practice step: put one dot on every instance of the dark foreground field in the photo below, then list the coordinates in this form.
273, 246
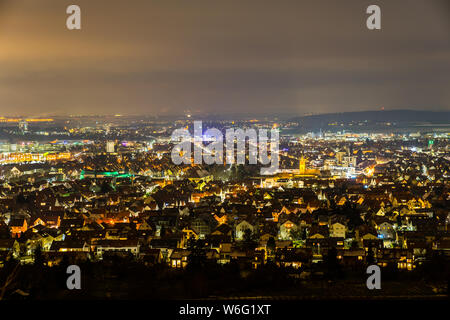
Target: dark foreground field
122, 279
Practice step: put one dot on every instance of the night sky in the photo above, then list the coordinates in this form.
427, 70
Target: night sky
222, 57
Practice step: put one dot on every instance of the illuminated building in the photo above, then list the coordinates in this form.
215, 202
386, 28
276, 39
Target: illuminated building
110, 147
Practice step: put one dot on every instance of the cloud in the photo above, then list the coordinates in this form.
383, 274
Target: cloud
222, 57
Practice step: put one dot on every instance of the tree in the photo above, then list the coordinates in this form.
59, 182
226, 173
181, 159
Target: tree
296, 234
271, 246
197, 257
249, 243
21, 199
38, 257
332, 263
11, 270
247, 235
370, 258
105, 188
354, 244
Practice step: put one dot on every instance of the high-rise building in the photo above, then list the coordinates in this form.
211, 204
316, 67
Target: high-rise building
340, 156
110, 147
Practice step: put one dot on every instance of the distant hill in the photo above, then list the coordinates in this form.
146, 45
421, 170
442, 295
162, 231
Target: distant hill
374, 117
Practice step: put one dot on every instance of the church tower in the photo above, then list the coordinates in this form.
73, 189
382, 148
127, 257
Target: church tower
302, 167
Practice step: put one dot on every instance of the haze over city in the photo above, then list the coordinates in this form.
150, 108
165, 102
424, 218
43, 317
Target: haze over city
222, 57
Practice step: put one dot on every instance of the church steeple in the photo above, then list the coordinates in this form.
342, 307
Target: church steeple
302, 167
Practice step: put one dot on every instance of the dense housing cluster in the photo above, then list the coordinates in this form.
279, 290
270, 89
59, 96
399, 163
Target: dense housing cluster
360, 198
